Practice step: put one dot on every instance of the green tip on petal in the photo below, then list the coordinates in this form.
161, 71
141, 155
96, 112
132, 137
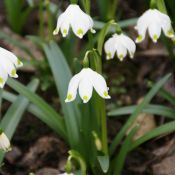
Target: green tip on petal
13, 73
1, 80
80, 33
106, 94
93, 31
170, 33
121, 57
155, 38
85, 99
19, 63
69, 97
139, 38
131, 55
108, 55
55, 32
65, 31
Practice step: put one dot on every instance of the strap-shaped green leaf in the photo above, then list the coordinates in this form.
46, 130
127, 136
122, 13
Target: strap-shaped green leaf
119, 161
62, 76
137, 111
41, 104
122, 24
152, 109
14, 114
37, 112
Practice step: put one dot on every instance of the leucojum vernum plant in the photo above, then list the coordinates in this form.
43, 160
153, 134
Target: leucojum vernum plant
84, 125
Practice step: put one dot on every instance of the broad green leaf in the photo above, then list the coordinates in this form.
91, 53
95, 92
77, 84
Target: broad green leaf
104, 163
137, 111
152, 109
14, 114
40, 103
62, 76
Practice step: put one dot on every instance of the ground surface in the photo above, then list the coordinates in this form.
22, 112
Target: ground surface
37, 149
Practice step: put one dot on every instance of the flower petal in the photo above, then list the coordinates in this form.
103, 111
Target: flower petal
154, 30
3, 76
121, 51
4, 142
165, 23
77, 19
9, 55
100, 85
109, 48
8, 67
72, 88
63, 18
85, 89
142, 25
81, 26
129, 44
65, 28
80, 21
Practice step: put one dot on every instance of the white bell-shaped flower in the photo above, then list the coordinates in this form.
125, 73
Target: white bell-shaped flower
75, 18
66, 174
4, 142
154, 21
8, 64
119, 44
85, 81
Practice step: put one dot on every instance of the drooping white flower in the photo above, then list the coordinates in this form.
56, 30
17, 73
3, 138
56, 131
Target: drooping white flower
85, 81
75, 18
119, 44
154, 21
66, 174
4, 142
8, 64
